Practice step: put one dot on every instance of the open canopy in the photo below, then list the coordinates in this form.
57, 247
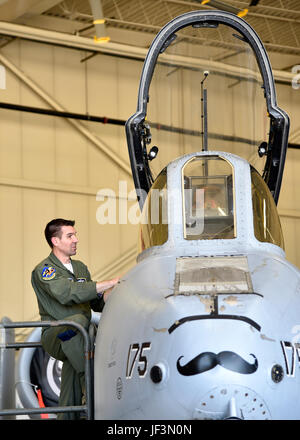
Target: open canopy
215, 99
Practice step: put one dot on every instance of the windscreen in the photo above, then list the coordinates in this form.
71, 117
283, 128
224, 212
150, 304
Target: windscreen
266, 222
208, 199
154, 223
206, 93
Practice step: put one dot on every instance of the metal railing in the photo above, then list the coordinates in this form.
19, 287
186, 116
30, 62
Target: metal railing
88, 407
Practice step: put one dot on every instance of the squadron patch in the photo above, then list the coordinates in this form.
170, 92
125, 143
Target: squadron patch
48, 273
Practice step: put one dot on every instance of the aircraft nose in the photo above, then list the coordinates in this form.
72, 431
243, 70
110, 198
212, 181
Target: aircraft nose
231, 402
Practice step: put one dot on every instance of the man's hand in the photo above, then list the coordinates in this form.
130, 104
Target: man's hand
106, 293
106, 286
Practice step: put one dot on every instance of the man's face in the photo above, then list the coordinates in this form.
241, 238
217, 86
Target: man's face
66, 243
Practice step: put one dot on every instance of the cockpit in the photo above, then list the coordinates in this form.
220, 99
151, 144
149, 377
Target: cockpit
205, 106
207, 195
208, 199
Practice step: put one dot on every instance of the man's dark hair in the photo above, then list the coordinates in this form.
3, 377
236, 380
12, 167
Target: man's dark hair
53, 228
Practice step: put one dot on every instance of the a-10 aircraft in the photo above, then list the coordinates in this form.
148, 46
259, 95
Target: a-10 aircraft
203, 326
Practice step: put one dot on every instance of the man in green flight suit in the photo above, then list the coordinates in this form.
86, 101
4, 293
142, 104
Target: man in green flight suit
65, 291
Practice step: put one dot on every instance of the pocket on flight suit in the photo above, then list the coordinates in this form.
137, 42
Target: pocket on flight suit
51, 344
58, 348
74, 351
72, 341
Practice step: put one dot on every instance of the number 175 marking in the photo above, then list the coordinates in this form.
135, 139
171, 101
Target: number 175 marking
137, 351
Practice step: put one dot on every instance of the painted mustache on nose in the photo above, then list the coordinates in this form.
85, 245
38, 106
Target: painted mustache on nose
208, 360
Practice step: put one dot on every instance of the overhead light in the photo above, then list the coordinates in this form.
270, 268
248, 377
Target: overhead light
101, 40
99, 22
243, 13
224, 7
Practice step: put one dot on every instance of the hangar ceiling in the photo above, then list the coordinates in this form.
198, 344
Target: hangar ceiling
132, 25
276, 21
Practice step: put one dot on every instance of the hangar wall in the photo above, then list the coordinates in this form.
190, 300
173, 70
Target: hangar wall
49, 169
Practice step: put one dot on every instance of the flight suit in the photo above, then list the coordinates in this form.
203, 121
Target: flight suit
62, 295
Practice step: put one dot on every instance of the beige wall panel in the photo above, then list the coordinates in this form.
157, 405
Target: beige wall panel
11, 119
129, 237
102, 171
104, 240
109, 137
191, 102
123, 175
105, 245
295, 202
294, 248
128, 224
107, 242
221, 108
96, 249
164, 92
10, 122
36, 60
123, 147
12, 253
39, 207
102, 85
129, 73
291, 230
11, 156
38, 135
128, 214
166, 106
71, 155
170, 146
69, 79
13, 86
38, 148
112, 89
112, 86
102, 98
287, 198
128, 84
75, 207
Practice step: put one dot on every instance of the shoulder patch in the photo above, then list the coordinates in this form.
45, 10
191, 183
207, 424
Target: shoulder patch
48, 272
